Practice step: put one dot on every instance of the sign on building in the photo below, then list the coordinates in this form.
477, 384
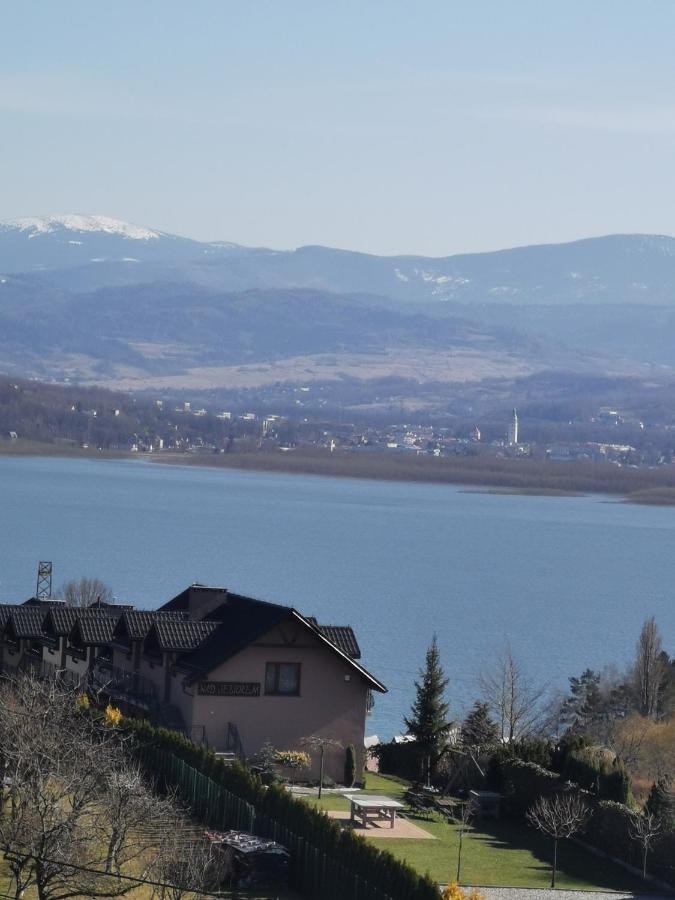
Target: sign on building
229, 688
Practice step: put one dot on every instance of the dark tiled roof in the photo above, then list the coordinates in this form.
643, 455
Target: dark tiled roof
60, 619
101, 604
27, 622
34, 601
137, 623
94, 627
182, 635
181, 602
341, 635
239, 622
6, 610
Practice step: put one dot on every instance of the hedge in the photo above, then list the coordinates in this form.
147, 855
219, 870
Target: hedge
522, 784
385, 876
404, 760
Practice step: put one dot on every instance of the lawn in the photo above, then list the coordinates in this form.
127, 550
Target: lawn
145, 892
375, 784
495, 853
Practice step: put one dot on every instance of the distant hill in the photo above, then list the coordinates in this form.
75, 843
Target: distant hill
87, 252
98, 300
148, 331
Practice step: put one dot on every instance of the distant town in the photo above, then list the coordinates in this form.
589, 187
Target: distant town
101, 420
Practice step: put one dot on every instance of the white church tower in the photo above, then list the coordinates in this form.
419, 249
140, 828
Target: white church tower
513, 430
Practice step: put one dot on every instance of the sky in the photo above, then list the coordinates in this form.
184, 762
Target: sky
375, 125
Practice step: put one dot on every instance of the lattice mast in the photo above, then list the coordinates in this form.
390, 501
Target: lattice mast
44, 581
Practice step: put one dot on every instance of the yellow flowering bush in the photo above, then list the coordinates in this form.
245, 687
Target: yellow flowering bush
82, 702
293, 759
454, 892
113, 716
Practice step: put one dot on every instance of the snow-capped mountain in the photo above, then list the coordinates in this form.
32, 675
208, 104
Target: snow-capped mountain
38, 225
68, 242
99, 289
89, 252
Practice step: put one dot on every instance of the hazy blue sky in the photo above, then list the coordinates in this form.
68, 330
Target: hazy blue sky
431, 127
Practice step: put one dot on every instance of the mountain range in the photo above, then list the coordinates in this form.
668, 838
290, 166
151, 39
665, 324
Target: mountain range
94, 299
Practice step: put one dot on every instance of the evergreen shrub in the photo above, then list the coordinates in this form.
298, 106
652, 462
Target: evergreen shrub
391, 877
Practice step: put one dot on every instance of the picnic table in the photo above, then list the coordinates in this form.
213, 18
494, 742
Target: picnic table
451, 807
373, 809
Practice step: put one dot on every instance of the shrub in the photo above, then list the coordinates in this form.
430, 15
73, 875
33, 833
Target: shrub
350, 765
592, 771
524, 783
306, 825
293, 759
453, 891
113, 716
404, 760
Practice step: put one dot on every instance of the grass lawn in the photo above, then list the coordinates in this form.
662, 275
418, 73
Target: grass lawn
496, 853
145, 892
375, 784
505, 853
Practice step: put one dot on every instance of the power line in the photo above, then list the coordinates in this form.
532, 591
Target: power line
119, 877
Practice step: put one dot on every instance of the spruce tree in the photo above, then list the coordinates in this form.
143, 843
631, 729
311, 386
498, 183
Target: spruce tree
428, 722
581, 708
478, 729
661, 802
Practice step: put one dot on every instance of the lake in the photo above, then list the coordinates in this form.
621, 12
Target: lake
568, 581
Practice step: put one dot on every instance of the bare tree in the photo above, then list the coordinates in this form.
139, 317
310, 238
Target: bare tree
84, 592
465, 819
559, 817
316, 743
62, 772
515, 702
129, 808
649, 669
644, 829
188, 865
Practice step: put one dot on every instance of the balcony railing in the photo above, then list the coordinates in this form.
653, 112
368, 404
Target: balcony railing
123, 684
43, 669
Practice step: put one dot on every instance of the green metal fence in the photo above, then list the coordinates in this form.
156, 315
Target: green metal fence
314, 873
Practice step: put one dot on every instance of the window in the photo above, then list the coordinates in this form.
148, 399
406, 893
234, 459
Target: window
282, 679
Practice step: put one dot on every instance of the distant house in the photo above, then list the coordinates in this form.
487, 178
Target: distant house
227, 670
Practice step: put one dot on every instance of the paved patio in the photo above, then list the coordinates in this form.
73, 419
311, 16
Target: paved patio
403, 828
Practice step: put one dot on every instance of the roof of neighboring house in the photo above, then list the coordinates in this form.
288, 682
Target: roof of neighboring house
60, 619
136, 623
38, 601
26, 622
169, 633
341, 635
231, 624
374, 682
93, 627
102, 604
6, 610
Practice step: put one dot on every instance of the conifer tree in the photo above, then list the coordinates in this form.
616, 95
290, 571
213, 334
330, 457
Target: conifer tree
582, 706
478, 729
661, 802
428, 722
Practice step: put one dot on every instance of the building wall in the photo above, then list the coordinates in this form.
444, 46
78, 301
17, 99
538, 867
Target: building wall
331, 703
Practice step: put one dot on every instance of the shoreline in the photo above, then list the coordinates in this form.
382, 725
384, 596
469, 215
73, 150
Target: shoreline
508, 477
468, 480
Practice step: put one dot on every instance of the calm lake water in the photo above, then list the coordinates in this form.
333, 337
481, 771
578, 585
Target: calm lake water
568, 581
